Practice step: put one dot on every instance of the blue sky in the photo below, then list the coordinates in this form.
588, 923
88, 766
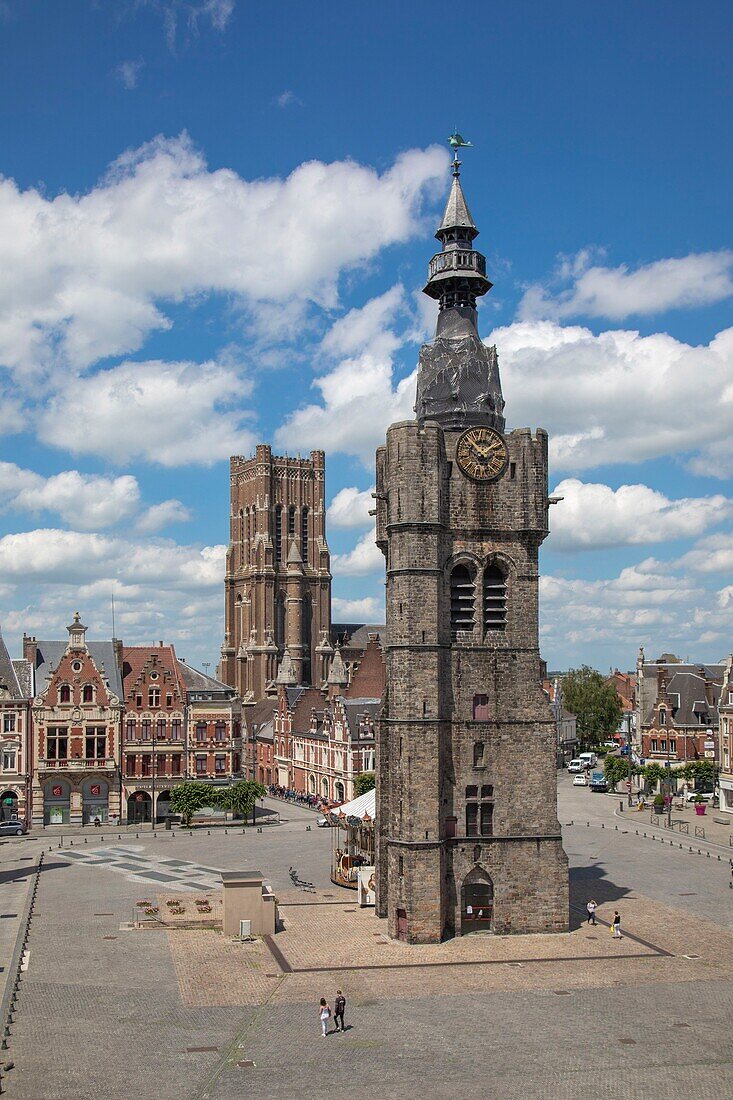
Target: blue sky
215, 220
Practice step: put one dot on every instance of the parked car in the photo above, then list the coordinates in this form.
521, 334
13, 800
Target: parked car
598, 783
576, 766
692, 796
610, 745
322, 822
580, 780
13, 828
589, 759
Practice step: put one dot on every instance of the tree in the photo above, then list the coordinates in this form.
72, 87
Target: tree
188, 798
655, 773
240, 797
615, 769
595, 704
703, 773
363, 783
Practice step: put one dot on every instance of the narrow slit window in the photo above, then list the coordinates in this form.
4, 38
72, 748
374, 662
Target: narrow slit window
495, 604
304, 535
278, 534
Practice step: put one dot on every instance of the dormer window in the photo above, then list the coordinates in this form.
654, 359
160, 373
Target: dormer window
662, 717
64, 694
87, 695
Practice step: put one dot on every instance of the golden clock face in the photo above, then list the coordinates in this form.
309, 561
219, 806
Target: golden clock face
481, 454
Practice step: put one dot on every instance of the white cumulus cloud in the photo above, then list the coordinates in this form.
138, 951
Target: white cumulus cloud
592, 515
368, 609
170, 413
85, 501
366, 557
619, 292
351, 507
158, 516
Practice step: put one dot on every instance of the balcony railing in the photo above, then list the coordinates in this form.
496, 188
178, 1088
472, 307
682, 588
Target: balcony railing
102, 764
447, 262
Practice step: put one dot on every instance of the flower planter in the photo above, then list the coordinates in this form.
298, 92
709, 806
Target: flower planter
700, 809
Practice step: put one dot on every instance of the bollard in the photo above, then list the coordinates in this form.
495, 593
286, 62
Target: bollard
621, 806
602, 825
616, 828
708, 854
86, 840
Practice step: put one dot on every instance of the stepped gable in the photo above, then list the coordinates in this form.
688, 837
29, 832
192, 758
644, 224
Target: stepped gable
370, 677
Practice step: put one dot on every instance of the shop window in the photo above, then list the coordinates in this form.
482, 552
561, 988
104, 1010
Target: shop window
494, 598
462, 599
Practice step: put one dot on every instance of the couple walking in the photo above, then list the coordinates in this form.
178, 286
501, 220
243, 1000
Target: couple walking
324, 1013
615, 923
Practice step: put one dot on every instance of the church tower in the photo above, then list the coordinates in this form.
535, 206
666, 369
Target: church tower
278, 577
468, 835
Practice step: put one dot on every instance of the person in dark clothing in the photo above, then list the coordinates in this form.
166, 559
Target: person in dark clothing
339, 1008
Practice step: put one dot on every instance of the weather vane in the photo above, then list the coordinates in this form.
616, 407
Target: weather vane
456, 142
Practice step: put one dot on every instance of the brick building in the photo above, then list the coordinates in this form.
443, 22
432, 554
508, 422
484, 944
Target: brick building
154, 737
316, 742
725, 738
677, 709
16, 685
77, 718
215, 745
467, 831
278, 578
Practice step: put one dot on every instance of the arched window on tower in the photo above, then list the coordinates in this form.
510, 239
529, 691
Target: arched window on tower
304, 535
280, 621
291, 522
242, 553
494, 598
278, 533
462, 599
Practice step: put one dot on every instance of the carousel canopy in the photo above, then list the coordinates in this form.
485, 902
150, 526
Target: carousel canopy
362, 807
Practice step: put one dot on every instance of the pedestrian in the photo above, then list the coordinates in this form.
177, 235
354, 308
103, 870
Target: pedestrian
339, 1007
616, 925
324, 1014
591, 910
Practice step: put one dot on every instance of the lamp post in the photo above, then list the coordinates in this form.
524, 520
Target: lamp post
152, 781
628, 750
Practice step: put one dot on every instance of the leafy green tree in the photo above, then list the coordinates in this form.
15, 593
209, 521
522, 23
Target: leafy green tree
188, 798
240, 797
702, 773
595, 704
655, 773
364, 782
616, 768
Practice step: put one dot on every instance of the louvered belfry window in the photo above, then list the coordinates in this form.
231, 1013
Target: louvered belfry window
462, 599
494, 598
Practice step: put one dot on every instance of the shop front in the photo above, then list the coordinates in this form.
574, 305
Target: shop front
9, 805
95, 802
56, 802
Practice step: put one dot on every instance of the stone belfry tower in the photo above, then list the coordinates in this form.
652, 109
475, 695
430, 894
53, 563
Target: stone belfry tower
468, 837
278, 578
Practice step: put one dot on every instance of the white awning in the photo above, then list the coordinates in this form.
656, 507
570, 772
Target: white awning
362, 807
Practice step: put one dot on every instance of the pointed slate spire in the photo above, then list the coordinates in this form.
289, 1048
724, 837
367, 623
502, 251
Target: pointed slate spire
286, 672
457, 215
338, 676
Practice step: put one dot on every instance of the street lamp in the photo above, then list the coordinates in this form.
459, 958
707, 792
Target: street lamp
627, 718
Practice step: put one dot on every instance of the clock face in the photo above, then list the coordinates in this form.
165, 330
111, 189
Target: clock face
481, 454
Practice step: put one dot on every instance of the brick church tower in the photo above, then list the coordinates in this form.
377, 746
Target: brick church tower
468, 835
278, 577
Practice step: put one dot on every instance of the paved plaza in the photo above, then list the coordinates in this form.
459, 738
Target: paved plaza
184, 1013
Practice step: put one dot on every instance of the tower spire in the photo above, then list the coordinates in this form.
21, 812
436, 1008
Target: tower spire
458, 378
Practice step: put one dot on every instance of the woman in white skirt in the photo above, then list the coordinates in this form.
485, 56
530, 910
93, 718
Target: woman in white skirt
324, 1013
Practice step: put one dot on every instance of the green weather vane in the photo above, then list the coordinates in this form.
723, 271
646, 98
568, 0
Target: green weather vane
456, 142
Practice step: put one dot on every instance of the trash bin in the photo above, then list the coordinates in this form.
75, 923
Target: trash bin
168, 823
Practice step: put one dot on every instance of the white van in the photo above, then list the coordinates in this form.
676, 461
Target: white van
576, 766
588, 759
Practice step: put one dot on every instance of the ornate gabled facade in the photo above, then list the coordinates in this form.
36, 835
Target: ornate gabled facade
467, 831
278, 579
15, 692
154, 733
215, 746
677, 709
76, 715
725, 738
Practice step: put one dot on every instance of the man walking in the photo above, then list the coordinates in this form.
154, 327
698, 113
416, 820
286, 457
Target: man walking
591, 910
339, 1008
616, 925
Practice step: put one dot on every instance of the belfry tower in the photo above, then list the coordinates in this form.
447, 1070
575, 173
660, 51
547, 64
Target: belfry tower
278, 578
468, 836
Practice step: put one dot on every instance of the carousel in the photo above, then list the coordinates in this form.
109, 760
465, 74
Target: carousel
352, 846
